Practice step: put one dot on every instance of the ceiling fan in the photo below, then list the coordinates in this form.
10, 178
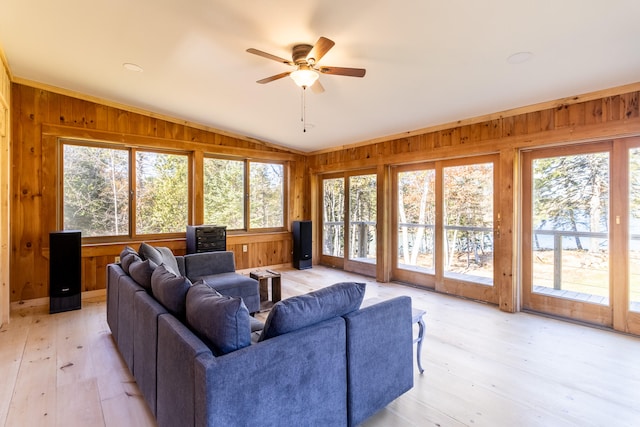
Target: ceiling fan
306, 58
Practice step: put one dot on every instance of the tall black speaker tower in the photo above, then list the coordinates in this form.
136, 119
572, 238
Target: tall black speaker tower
302, 247
65, 270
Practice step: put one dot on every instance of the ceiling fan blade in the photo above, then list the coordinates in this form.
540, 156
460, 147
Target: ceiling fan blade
272, 78
318, 50
317, 87
269, 56
341, 71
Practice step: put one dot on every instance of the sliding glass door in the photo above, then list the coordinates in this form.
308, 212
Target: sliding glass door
581, 232
444, 226
628, 319
349, 222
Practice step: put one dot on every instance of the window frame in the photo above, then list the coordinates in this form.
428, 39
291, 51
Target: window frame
132, 167
247, 161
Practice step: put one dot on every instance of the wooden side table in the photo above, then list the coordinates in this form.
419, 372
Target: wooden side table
263, 276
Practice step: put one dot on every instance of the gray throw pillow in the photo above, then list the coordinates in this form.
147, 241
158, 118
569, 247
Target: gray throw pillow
170, 290
222, 322
126, 251
141, 272
128, 256
305, 310
160, 255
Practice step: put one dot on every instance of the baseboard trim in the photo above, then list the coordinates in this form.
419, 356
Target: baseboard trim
39, 302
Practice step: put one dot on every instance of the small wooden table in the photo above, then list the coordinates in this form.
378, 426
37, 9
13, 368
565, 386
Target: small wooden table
263, 276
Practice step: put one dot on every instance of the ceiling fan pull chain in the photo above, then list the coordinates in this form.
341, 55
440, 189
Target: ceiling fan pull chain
304, 109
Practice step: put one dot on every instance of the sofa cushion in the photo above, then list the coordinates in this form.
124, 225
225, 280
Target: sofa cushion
222, 322
308, 309
127, 257
170, 290
141, 272
160, 255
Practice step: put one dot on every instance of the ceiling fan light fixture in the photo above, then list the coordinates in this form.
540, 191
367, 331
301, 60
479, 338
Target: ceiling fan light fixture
304, 77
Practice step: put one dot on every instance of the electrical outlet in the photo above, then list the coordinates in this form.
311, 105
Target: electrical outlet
117, 260
245, 248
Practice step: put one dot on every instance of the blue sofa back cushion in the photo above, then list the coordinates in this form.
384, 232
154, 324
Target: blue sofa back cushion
141, 272
305, 310
159, 255
222, 322
170, 290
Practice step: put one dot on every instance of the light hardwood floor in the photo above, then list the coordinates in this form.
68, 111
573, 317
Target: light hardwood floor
483, 367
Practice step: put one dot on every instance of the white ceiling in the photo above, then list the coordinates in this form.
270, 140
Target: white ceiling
428, 61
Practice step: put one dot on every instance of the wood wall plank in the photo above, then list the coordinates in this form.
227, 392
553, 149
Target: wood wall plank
5, 198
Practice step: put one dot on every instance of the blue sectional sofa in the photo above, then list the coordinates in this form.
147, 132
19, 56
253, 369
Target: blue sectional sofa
320, 359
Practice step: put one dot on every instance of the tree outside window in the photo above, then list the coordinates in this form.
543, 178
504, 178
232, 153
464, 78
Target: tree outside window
266, 195
162, 193
224, 193
96, 190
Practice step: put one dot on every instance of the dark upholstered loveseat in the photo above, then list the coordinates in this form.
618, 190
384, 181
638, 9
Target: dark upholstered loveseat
322, 369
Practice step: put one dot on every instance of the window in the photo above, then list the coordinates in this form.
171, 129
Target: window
162, 193
416, 220
570, 212
333, 217
96, 190
266, 194
224, 193
443, 221
363, 207
109, 190
225, 187
468, 222
98, 196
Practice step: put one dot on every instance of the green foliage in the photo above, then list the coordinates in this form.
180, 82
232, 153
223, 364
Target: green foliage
96, 190
333, 212
571, 193
224, 193
162, 193
266, 195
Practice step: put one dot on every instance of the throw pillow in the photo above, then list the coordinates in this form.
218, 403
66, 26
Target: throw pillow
141, 272
128, 256
222, 322
305, 310
170, 290
127, 250
160, 255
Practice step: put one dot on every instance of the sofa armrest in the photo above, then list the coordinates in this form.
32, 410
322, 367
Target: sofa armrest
295, 379
380, 356
178, 348
208, 263
114, 271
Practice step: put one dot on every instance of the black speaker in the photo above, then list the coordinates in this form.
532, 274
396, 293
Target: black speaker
65, 270
302, 247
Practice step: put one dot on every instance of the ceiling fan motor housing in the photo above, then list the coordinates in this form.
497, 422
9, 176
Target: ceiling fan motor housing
300, 52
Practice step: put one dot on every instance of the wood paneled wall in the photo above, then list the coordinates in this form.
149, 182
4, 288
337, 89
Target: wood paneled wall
608, 114
5, 192
38, 114
612, 113
570, 120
